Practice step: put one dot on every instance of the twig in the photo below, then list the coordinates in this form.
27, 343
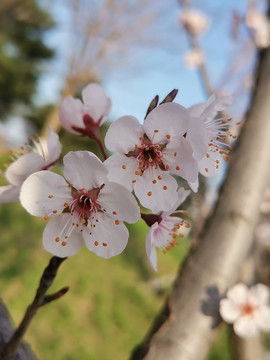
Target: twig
40, 299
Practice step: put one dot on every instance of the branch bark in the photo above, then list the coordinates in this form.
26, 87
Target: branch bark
24, 351
181, 331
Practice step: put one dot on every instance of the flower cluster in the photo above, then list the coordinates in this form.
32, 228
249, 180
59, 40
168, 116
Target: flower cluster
91, 202
247, 309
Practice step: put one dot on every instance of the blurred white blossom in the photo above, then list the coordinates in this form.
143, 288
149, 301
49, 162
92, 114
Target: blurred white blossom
193, 59
194, 21
247, 309
259, 25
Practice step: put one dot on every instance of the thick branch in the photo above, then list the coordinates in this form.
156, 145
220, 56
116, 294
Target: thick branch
182, 332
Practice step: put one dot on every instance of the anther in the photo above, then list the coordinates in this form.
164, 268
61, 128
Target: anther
117, 222
165, 187
46, 217
96, 243
149, 193
50, 196
124, 167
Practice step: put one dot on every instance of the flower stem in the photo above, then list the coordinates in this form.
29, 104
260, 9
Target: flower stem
40, 299
99, 142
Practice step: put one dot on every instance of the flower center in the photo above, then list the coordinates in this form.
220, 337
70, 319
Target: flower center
247, 309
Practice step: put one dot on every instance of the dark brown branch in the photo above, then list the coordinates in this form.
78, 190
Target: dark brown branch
40, 299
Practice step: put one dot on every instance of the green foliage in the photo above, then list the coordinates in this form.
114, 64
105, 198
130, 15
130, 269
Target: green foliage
22, 26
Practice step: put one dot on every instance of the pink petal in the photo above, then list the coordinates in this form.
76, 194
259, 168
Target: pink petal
238, 294
83, 169
262, 318
194, 185
245, 327
185, 165
197, 110
9, 193
107, 239
53, 230
54, 147
259, 294
44, 192
116, 198
124, 134
71, 114
157, 195
150, 248
169, 119
122, 169
197, 137
26, 165
229, 311
216, 104
182, 194
96, 103
208, 165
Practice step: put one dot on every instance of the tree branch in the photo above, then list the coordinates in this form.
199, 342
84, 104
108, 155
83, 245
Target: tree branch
40, 299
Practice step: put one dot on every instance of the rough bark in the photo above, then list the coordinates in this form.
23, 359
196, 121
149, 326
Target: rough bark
6, 331
182, 332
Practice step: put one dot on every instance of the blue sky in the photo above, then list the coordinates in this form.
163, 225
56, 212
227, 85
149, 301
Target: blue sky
161, 69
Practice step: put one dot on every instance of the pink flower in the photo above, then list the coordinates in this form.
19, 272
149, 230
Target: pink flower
145, 153
87, 209
85, 118
164, 232
31, 158
247, 309
207, 135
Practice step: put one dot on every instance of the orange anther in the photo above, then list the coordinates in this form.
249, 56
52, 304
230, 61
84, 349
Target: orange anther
124, 167
50, 196
114, 212
64, 243
206, 169
57, 239
55, 211
117, 222
46, 217
177, 167
149, 193
96, 243
104, 244
154, 181
159, 177
175, 154
65, 204
165, 187
168, 136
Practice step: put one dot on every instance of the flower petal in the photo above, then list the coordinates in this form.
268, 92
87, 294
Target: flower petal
262, 318
124, 134
44, 192
122, 169
150, 248
53, 230
71, 114
96, 102
156, 190
9, 193
182, 194
245, 327
208, 165
238, 294
259, 294
216, 104
229, 311
185, 165
53, 147
197, 137
169, 119
107, 239
116, 198
26, 165
83, 169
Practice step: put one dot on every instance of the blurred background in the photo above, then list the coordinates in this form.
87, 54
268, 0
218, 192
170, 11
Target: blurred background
136, 49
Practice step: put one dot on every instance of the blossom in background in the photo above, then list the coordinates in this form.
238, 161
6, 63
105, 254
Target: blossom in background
30, 158
193, 59
85, 118
247, 309
259, 25
208, 134
87, 209
145, 153
194, 21
163, 234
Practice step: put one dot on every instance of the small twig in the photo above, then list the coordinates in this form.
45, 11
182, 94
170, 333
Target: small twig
40, 299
